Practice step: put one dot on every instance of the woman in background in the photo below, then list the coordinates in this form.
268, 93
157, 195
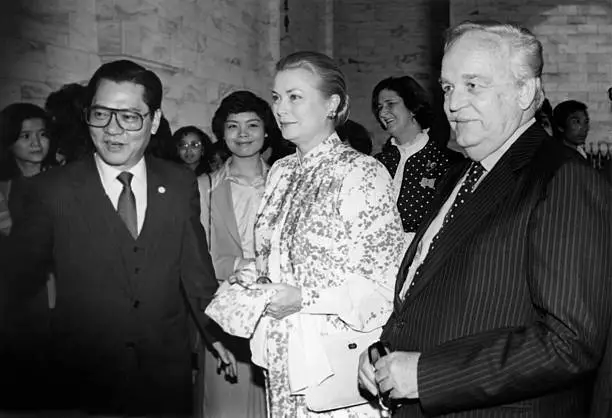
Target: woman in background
194, 149
244, 127
414, 158
25, 151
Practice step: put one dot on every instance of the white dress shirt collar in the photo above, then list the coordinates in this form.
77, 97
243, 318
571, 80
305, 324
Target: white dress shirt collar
108, 173
411, 148
112, 186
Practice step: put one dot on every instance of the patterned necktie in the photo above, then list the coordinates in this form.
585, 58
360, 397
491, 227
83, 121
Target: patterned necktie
126, 207
474, 174
467, 188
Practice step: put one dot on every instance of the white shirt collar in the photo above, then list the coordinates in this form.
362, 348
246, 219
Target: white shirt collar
413, 147
109, 173
489, 161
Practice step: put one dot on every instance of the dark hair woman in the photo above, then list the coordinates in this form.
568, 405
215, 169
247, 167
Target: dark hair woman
194, 149
415, 160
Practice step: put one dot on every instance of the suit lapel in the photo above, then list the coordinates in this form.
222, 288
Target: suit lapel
494, 188
223, 208
102, 219
158, 206
91, 196
453, 176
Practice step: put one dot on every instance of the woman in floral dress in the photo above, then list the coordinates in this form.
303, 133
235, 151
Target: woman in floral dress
328, 235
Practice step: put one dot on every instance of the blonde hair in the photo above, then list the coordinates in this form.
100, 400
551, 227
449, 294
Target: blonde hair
332, 79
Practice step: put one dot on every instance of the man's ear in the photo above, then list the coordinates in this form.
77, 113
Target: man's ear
527, 91
156, 121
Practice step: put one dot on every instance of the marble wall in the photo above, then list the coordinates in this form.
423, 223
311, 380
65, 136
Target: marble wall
44, 44
202, 49
577, 40
376, 40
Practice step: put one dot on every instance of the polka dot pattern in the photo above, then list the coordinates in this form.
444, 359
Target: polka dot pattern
474, 174
421, 174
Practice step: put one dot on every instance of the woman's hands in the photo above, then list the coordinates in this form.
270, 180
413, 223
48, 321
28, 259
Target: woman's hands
286, 301
226, 362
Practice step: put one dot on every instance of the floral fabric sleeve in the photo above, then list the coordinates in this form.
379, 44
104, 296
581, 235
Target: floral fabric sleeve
375, 244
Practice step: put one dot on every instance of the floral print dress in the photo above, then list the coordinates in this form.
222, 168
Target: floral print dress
329, 224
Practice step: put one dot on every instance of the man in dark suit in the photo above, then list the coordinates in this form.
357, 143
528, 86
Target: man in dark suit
123, 235
503, 298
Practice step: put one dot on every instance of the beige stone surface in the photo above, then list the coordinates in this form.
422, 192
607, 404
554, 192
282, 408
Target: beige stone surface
577, 40
204, 49
201, 49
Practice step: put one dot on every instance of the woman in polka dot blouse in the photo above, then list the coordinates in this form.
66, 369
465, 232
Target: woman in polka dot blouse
415, 161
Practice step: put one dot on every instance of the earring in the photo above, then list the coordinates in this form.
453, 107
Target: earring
332, 115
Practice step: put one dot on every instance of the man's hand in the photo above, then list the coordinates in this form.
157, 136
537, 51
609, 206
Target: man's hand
286, 301
226, 362
366, 377
397, 373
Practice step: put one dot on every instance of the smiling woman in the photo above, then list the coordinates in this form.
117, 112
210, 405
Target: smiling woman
415, 161
244, 126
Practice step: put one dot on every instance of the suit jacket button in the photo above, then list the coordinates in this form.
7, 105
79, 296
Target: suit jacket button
136, 249
130, 345
137, 270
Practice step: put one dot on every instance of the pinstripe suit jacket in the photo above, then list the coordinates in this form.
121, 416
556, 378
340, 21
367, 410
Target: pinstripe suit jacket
511, 309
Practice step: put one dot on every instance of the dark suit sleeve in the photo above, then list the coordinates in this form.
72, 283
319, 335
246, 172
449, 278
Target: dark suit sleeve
28, 250
568, 274
197, 272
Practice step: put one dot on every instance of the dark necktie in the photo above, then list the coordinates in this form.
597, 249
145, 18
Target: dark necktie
126, 207
474, 174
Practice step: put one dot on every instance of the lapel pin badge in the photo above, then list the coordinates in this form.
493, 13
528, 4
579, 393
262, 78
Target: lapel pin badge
425, 182
161, 190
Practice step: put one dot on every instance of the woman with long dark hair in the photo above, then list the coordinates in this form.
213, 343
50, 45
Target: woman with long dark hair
25, 150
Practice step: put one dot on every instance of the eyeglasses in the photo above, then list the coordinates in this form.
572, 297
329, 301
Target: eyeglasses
100, 117
193, 145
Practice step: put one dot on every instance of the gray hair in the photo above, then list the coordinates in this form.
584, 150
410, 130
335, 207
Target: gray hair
525, 50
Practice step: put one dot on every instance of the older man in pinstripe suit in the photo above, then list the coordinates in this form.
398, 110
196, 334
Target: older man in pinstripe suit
503, 298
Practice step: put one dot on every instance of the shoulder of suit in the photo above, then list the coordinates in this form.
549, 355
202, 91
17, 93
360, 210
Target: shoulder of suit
559, 162
62, 175
170, 171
